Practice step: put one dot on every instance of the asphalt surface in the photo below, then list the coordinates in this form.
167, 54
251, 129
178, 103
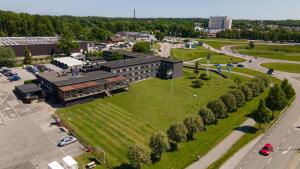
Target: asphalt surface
27, 138
284, 135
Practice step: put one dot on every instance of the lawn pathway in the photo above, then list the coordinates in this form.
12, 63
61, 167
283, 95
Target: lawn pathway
219, 150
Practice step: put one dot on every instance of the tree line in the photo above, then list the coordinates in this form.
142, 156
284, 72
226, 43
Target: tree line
277, 99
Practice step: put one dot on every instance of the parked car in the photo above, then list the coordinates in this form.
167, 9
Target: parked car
270, 72
14, 78
240, 65
66, 141
10, 73
5, 71
266, 150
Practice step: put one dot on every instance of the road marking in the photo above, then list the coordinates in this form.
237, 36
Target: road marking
289, 131
282, 141
286, 150
269, 161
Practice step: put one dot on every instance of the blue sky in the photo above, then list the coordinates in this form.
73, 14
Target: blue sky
237, 9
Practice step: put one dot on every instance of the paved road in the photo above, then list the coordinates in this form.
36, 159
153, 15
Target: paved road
284, 135
166, 49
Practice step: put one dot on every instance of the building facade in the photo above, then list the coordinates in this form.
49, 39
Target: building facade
220, 22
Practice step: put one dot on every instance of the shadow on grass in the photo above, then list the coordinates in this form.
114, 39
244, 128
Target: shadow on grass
124, 166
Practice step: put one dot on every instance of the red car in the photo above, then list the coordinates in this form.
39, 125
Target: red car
266, 150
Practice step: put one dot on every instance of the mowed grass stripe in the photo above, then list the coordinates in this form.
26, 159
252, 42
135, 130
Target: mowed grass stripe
99, 138
109, 112
114, 127
103, 138
122, 118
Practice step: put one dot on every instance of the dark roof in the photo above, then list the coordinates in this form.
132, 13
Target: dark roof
131, 62
28, 88
69, 79
128, 53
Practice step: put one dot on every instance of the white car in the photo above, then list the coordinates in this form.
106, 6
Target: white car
66, 141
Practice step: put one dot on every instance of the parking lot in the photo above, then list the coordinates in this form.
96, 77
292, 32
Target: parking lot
27, 138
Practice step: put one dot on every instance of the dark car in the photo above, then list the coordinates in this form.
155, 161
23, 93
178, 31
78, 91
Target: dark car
266, 150
240, 65
14, 78
270, 72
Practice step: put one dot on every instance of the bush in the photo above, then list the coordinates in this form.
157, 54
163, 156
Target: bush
266, 80
159, 143
288, 89
247, 91
138, 156
30, 81
177, 133
239, 97
230, 102
218, 108
260, 83
197, 84
203, 76
254, 87
208, 116
193, 125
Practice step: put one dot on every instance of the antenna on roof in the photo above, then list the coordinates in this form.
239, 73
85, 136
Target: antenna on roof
133, 13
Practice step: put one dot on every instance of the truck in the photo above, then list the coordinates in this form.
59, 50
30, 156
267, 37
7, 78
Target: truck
55, 165
69, 163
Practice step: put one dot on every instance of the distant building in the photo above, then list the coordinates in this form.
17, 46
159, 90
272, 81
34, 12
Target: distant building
139, 36
220, 22
38, 46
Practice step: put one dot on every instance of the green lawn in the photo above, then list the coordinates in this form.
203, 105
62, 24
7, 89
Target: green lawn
285, 67
219, 43
283, 52
200, 52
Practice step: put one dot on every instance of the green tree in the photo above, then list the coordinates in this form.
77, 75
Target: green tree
239, 97
115, 56
238, 82
208, 116
138, 156
230, 102
27, 57
177, 133
141, 47
66, 41
44, 27
247, 91
288, 89
255, 87
266, 80
193, 125
218, 108
276, 99
261, 84
196, 70
159, 143
99, 34
160, 36
7, 57
262, 114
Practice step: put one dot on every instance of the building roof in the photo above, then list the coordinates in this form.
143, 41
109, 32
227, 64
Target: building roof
131, 62
28, 88
69, 61
68, 79
11, 41
128, 53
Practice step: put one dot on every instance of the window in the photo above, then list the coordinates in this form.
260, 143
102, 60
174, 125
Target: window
124, 70
136, 68
130, 69
118, 71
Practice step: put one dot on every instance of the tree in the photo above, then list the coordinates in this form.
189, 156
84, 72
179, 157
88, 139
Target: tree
160, 36
159, 143
218, 108
238, 82
251, 44
254, 87
138, 156
99, 34
208, 116
239, 97
7, 57
141, 47
193, 125
197, 83
66, 41
115, 56
288, 89
177, 133
196, 70
27, 57
261, 84
262, 114
247, 91
266, 80
230, 102
276, 99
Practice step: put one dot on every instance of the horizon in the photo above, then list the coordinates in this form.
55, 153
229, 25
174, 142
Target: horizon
254, 10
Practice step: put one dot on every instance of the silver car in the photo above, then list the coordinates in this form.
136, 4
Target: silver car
66, 141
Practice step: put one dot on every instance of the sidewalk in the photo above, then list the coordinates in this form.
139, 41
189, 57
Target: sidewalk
219, 150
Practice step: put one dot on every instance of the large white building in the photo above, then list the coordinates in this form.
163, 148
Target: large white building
220, 22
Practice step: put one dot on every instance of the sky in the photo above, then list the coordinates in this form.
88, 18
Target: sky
236, 9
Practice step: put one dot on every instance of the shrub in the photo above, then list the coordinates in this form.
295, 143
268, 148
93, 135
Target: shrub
261, 84
208, 116
159, 143
288, 89
230, 102
266, 80
219, 108
177, 133
138, 156
193, 124
247, 91
197, 84
254, 87
203, 76
30, 81
239, 97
